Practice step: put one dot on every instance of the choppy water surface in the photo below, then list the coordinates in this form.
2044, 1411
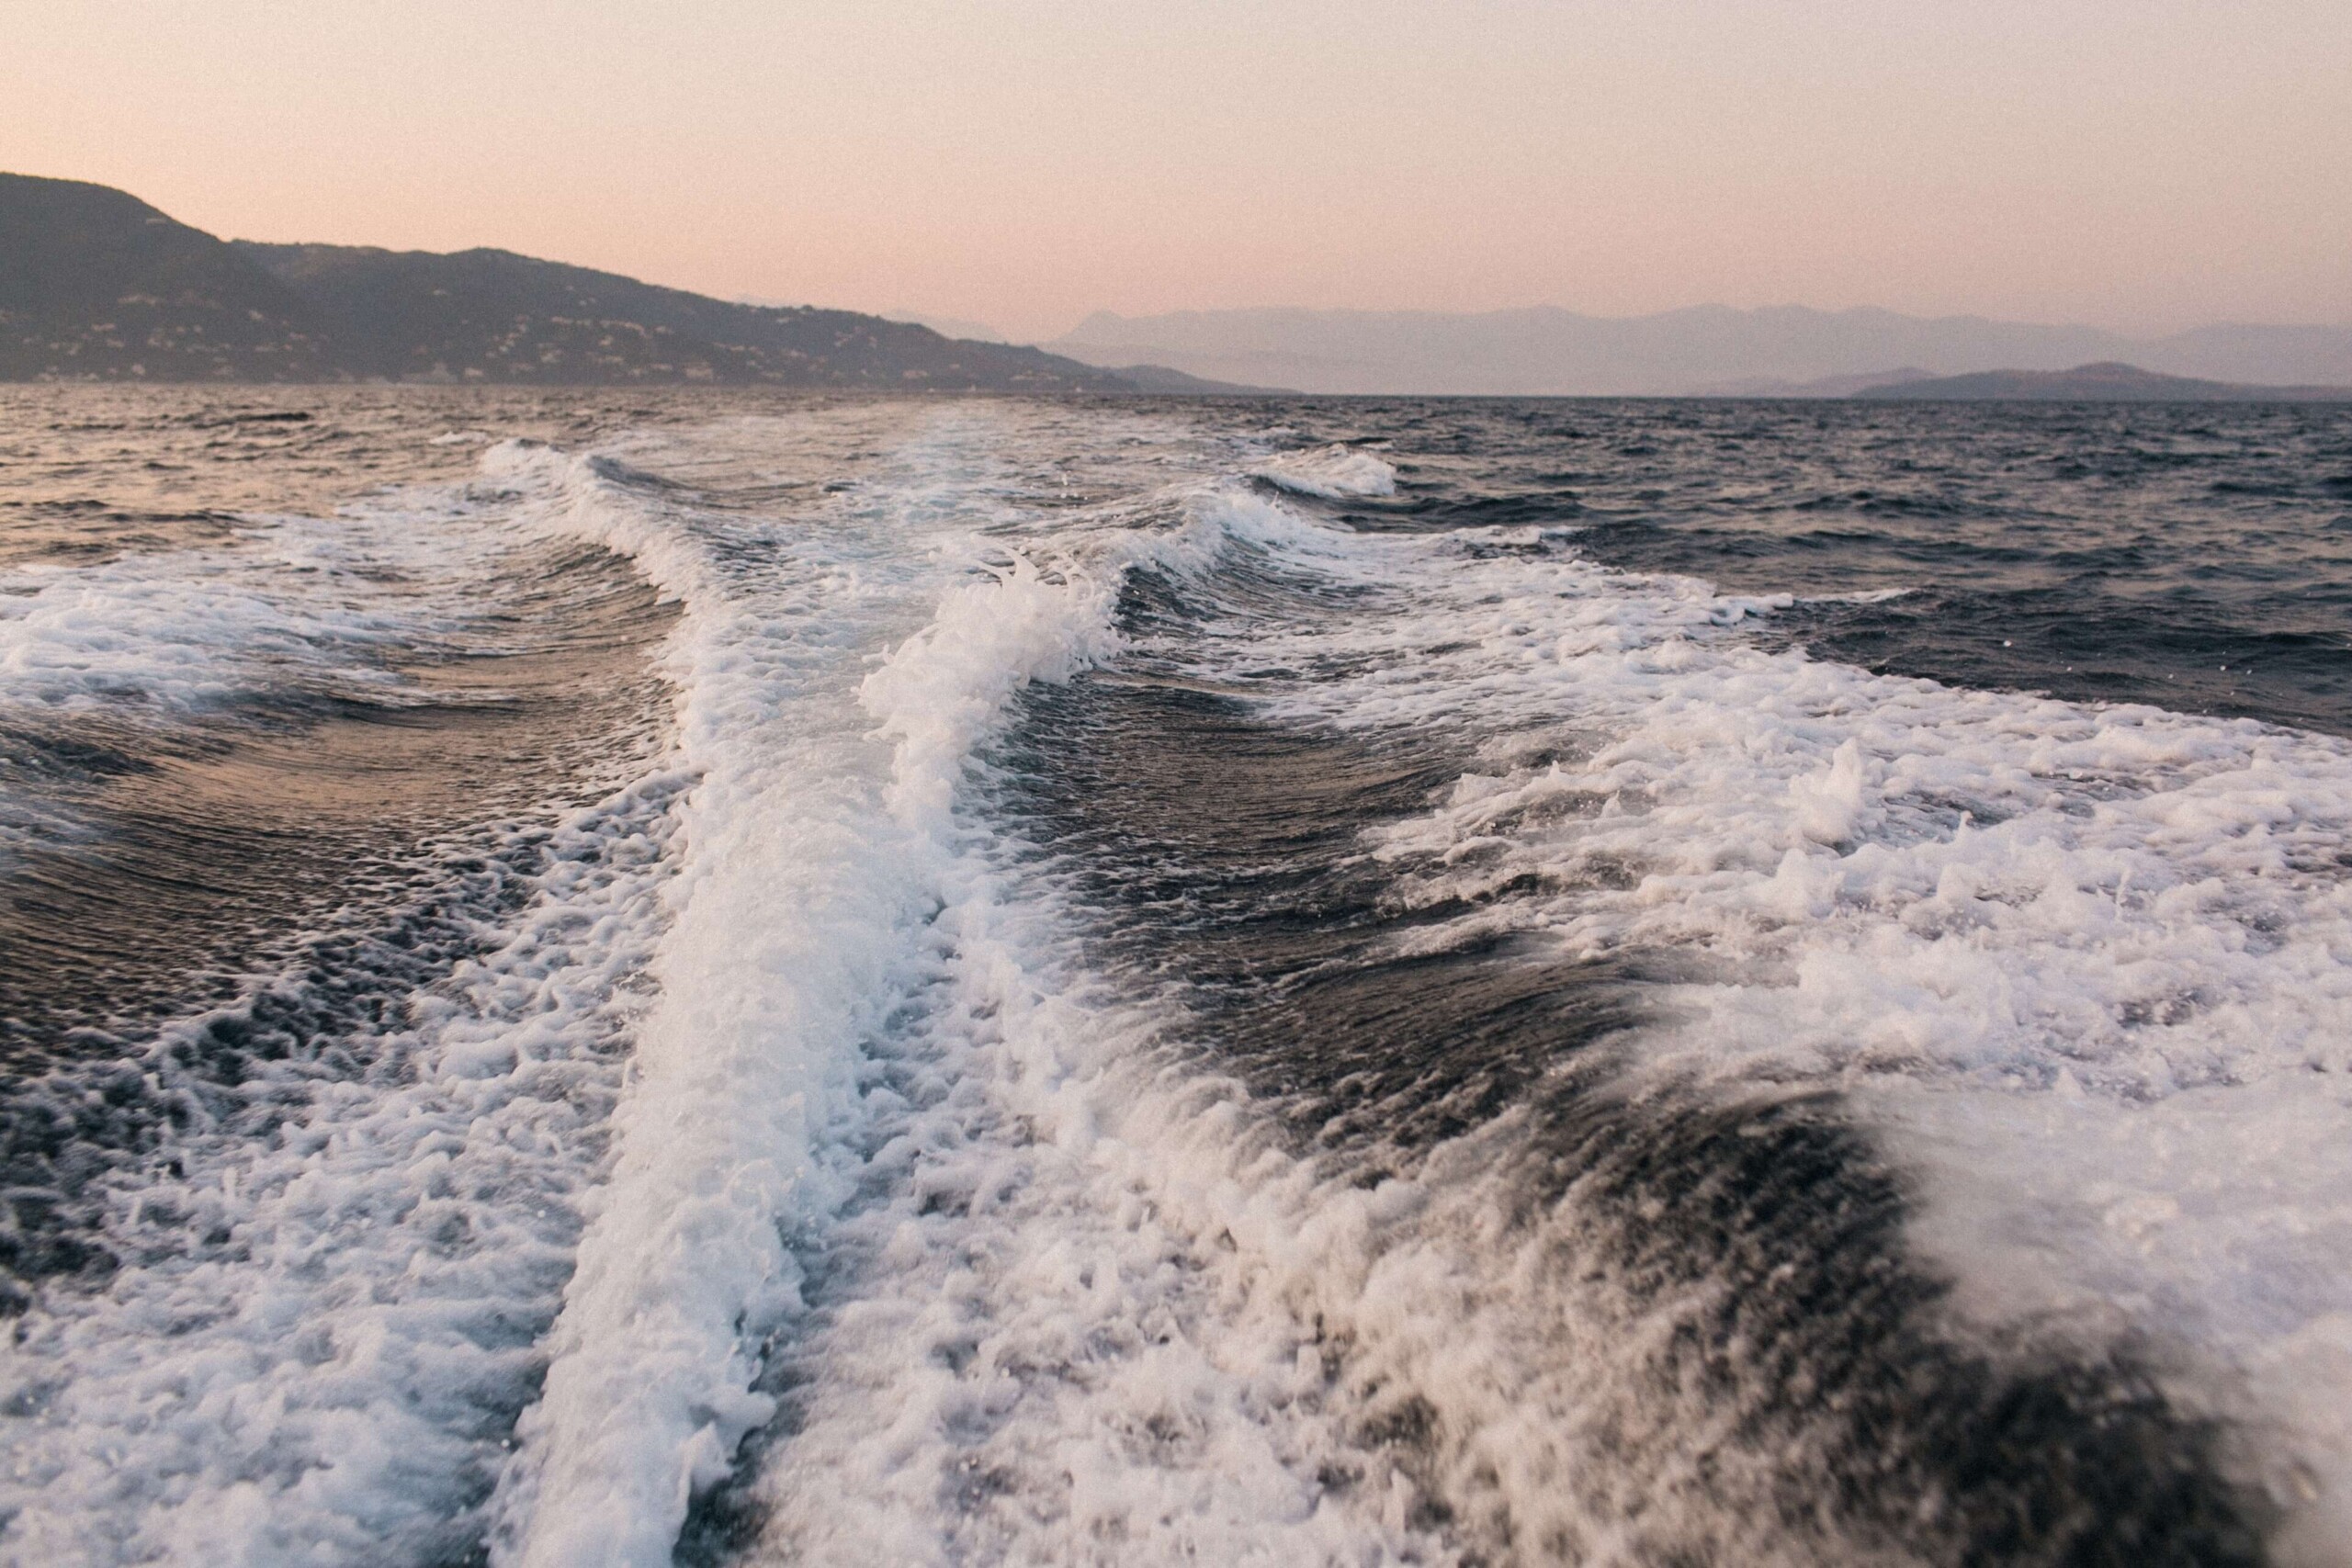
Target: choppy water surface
2194, 556
729, 978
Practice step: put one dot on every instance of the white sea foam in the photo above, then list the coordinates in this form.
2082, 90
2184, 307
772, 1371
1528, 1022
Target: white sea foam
293, 610
797, 907
1104, 1308
839, 915
317, 1331
1037, 1364
103, 633
1054, 1351
333, 1271
1096, 1313
293, 605
801, 913
1861, 596
1074, 1301
1334, 473
781, 954
2117, 941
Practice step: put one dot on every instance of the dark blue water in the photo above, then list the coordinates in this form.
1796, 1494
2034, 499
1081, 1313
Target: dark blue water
2196, 556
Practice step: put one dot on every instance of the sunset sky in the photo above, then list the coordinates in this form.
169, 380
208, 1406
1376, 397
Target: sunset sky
2142, 165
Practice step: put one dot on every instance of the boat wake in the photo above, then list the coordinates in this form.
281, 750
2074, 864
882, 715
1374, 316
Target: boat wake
1110, 1008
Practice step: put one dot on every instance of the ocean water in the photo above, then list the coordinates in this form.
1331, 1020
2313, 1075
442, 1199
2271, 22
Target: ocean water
632, 978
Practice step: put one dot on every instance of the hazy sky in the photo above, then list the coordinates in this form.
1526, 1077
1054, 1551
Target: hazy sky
2137, 164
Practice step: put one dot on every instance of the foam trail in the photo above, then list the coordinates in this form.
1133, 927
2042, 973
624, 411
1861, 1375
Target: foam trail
684, 1268
945, 688
815, 1166
809, 876
230, 1394
1055, 1351
838, 912
320, 1250
1042, 1358
779, 949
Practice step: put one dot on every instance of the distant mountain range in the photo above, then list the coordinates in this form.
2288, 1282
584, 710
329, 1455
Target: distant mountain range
1707, 350
2108, 383
96, 285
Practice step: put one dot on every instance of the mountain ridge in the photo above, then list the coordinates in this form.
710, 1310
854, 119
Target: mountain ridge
1696, 350
97, 284
2107, 381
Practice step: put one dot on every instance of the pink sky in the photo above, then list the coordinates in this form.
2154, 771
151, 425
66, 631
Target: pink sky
2143, 165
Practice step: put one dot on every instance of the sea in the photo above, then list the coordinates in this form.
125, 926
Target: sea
707, 977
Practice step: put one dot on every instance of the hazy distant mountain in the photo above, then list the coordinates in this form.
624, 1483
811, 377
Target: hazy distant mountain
1826, 387
1164, 378
946, 326
1707, 348
2099, 383
97, 284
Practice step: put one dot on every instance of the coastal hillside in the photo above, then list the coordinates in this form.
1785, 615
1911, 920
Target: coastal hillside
96, 285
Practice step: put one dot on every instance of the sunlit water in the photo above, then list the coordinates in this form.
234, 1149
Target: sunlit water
630, 979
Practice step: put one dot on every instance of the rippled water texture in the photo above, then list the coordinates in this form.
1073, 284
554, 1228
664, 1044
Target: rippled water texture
739, 978
2193, 556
